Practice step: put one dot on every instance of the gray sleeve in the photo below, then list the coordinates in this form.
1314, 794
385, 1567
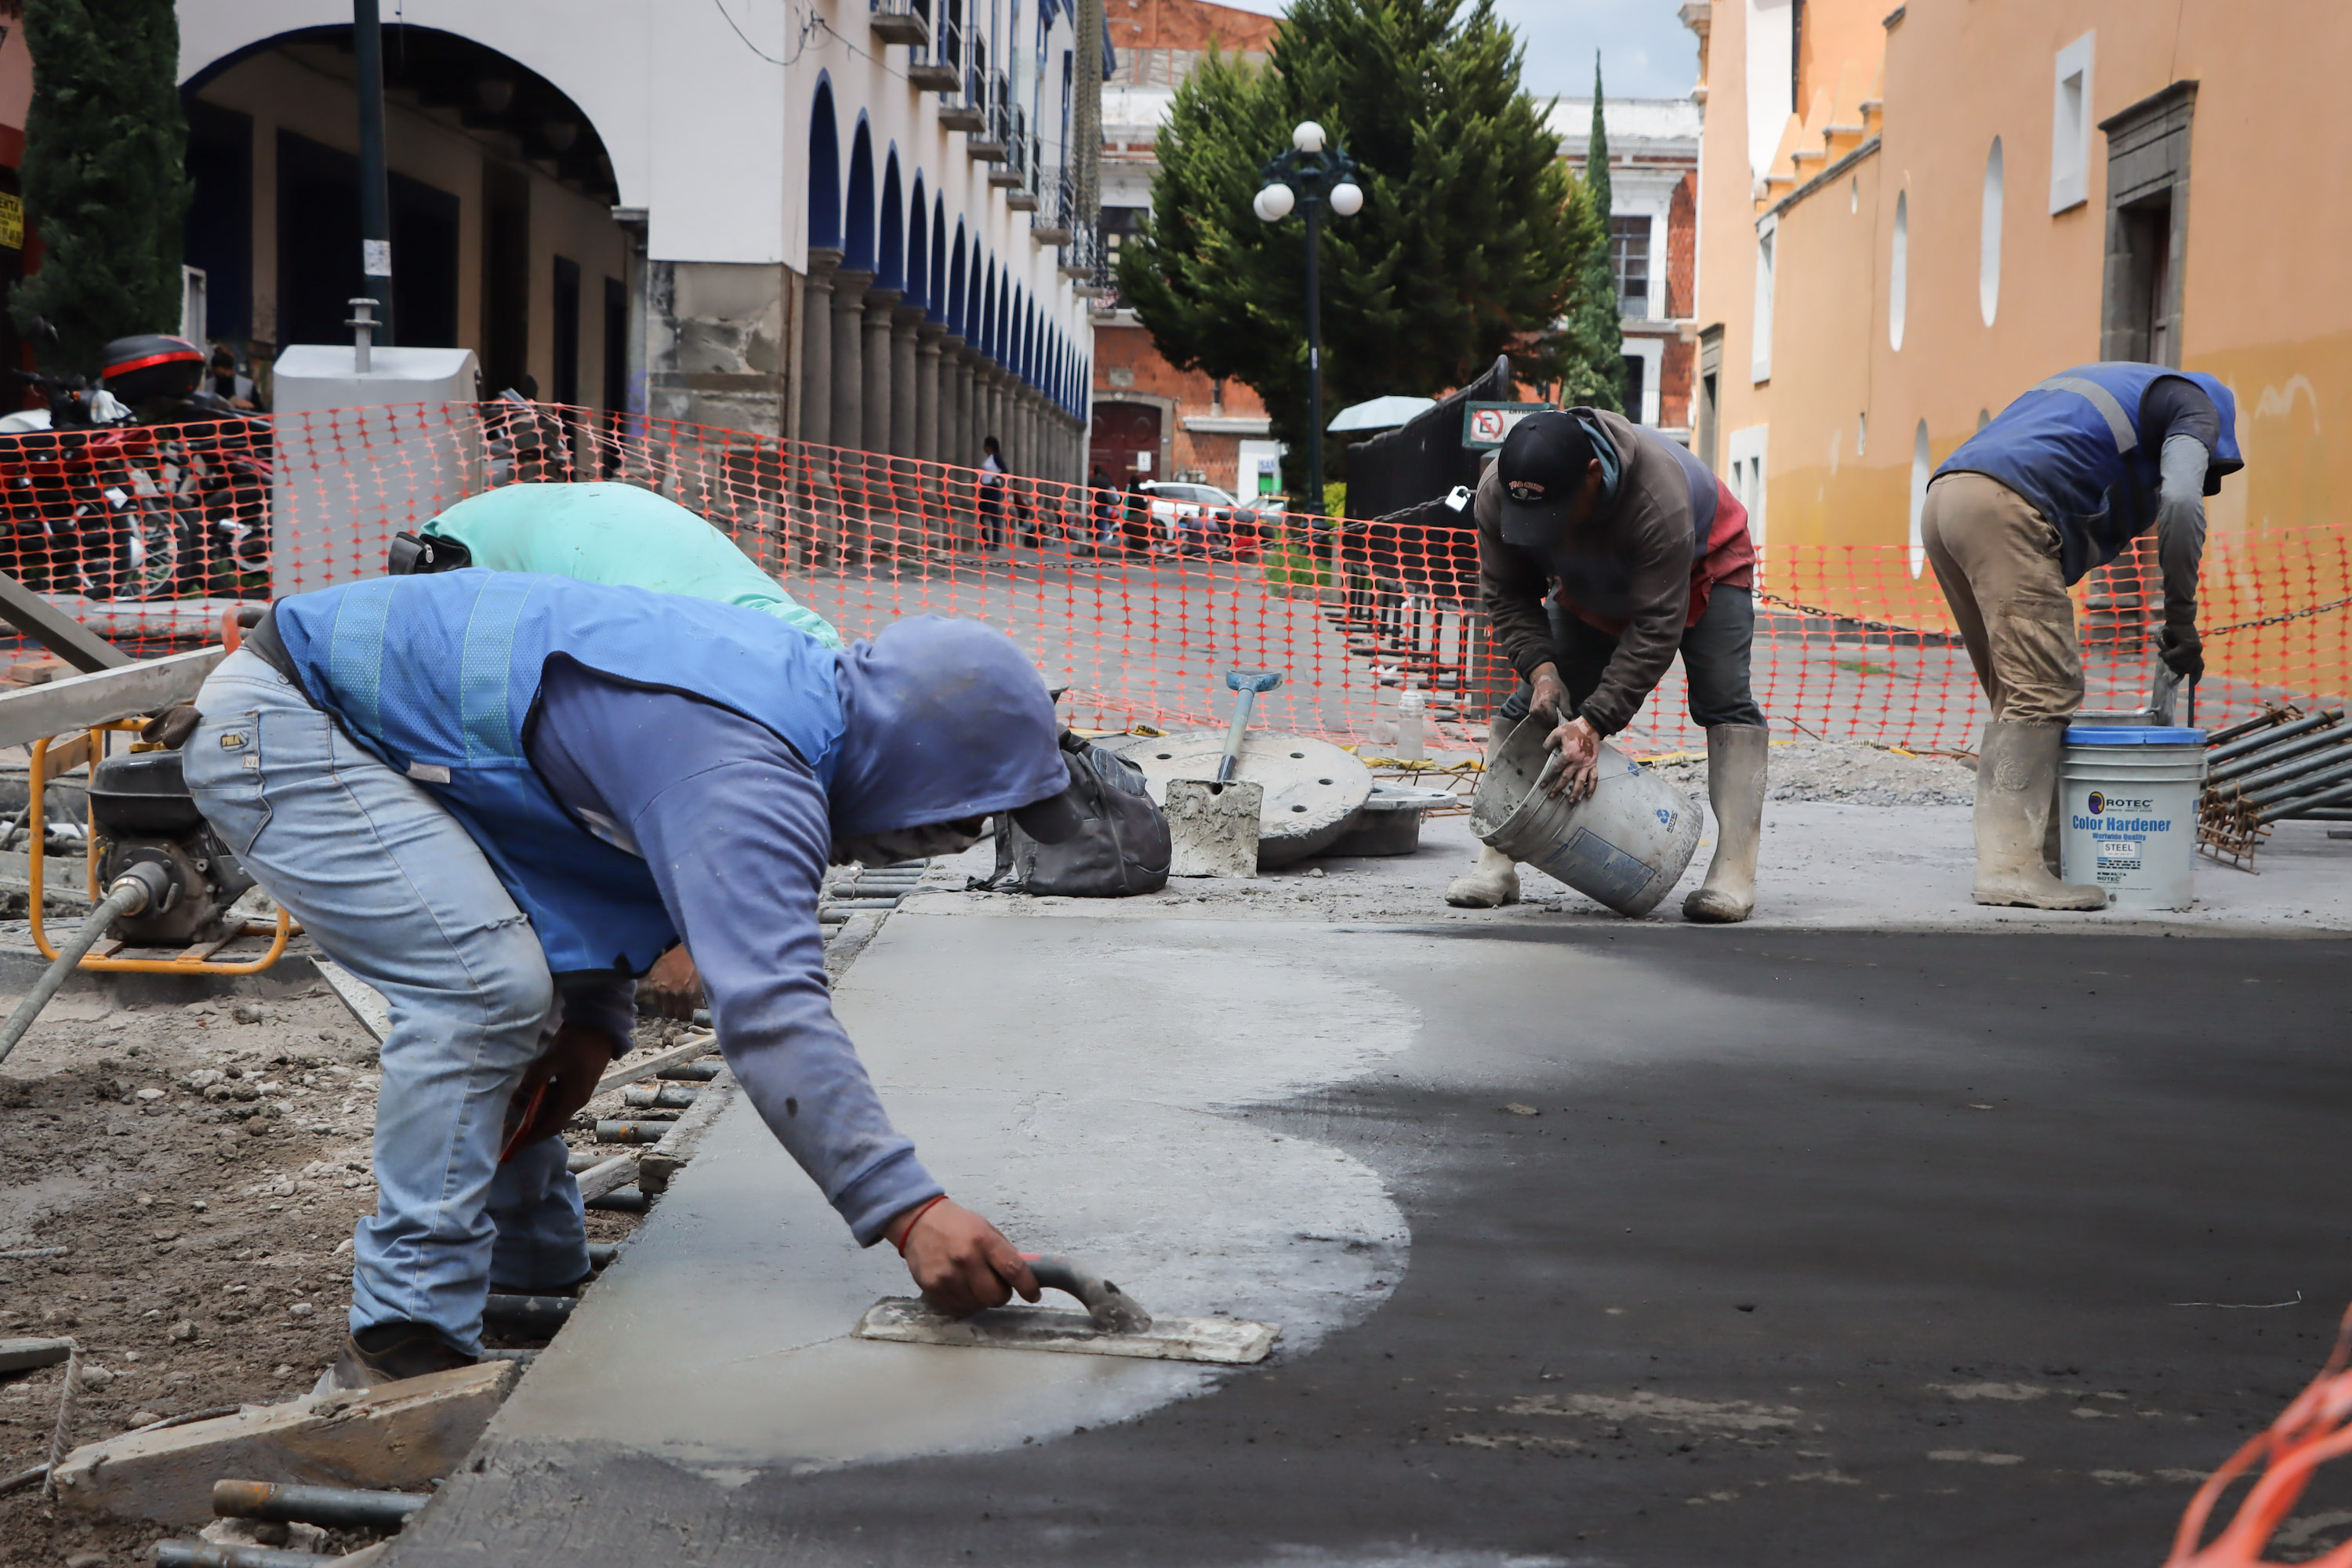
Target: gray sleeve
2181, 525
739, 849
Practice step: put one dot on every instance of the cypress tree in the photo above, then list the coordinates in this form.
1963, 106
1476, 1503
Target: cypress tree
105, 174
1594, 371
1471, 235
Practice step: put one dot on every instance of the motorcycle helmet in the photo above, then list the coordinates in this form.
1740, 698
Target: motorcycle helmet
150, 367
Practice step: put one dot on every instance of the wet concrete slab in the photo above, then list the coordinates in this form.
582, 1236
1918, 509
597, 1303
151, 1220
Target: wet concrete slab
1818, 1248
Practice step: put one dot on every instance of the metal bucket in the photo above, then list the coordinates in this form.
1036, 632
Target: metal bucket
1625, 844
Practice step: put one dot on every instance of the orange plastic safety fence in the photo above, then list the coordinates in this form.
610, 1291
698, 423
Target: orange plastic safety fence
2314, 1428
1137, 602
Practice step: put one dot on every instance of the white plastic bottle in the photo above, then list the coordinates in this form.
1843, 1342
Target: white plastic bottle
1411, 742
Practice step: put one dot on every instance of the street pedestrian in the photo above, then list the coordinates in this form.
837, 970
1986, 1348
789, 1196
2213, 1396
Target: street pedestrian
991, 495
2057, 486
1604, 550
496, 796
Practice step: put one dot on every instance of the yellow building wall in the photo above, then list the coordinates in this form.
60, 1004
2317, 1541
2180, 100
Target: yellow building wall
2263, 307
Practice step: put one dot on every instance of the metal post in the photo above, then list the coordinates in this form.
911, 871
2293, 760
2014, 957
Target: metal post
375, 193
1314, 355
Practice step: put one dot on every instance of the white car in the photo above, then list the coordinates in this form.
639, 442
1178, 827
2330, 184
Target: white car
1188, 517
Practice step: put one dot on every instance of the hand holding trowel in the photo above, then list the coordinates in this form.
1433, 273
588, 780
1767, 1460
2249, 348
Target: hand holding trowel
1112, 1324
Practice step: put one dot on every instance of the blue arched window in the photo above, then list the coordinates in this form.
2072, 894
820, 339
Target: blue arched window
957, 311
918, 247
940, 301
890, 244
824, 171
858, 226
992, 314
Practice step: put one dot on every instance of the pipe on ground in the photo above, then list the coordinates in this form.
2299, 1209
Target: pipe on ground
337, 1507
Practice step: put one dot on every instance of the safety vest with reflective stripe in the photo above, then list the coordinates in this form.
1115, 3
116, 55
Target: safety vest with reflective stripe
2074, 447
438, 676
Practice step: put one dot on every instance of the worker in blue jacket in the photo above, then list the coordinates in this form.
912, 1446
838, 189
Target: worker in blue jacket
496, 796
2060, 484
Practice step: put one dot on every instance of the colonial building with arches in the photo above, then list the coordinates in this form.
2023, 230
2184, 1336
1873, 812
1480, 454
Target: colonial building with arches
853, 221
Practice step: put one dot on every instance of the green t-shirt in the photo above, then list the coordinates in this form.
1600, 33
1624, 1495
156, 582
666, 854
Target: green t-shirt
618, 534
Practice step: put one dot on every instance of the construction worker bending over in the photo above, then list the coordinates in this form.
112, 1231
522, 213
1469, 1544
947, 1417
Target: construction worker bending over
494, 796
600, 532
630, 537
1603, 550
2070, 474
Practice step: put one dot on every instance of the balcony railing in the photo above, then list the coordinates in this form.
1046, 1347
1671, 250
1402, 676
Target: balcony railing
992, 142
1012, 174
935, 63
1057, 201
902, 21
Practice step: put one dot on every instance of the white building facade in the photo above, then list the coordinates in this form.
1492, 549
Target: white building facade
853, 221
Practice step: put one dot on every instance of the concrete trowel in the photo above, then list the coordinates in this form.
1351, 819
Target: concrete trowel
1213, 823
1112, 1324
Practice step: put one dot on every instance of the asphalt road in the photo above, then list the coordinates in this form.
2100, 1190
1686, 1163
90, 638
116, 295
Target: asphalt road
1822, 1248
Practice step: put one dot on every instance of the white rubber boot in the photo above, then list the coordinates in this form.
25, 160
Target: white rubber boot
1494, 881
2016, 776
1736, 763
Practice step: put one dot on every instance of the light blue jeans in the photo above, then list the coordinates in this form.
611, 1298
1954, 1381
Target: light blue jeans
395, 891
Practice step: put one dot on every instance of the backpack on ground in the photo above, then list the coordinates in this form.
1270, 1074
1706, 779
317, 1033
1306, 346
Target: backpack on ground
1121, 850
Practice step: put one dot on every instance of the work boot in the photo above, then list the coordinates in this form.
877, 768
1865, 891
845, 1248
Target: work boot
388, 1352
1494, 881
1736, 761
2017, 775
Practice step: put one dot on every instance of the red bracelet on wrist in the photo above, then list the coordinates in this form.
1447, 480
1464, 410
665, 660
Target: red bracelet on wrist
919, 1213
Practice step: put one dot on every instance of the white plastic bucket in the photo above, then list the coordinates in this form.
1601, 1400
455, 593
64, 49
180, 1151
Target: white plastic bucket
2129, 798
1625, 844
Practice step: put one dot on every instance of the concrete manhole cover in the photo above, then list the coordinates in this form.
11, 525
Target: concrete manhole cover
1313, 788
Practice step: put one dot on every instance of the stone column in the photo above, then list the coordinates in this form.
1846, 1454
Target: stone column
878, 362
906, 441
929, 338
963, 451
849, 358
816, 347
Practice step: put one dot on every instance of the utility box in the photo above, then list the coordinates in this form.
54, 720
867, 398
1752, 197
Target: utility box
364, 455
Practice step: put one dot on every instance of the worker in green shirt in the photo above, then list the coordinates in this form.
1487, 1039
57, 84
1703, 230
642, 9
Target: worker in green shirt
598, 532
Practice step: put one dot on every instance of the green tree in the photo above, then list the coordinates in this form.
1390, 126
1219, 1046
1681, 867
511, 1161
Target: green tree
1593, 359
105, 174
1471, 235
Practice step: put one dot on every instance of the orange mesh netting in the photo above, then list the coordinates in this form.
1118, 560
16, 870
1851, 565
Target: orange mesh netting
2316, 1427
1139, 606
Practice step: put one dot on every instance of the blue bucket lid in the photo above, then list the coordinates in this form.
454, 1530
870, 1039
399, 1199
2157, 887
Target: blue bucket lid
2131, 735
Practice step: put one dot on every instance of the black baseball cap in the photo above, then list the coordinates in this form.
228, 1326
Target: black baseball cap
1543, 465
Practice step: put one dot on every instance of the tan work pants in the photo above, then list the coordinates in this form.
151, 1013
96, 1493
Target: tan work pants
1997, 559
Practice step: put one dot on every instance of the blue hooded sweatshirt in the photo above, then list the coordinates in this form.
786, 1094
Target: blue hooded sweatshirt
940, 720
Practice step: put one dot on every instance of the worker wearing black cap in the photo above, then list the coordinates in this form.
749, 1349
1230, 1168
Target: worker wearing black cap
1603, 550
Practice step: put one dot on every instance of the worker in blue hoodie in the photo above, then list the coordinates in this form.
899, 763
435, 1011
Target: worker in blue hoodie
496, 796
2059, 485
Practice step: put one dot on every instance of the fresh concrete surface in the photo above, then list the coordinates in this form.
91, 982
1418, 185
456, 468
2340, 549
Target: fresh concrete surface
1823, 865
1821, 1247
1076, 1090
1883, 1227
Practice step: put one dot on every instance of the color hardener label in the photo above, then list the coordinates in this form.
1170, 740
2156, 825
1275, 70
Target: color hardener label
2120, 826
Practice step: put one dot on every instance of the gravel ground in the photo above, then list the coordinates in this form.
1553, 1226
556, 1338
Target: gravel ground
1844, 772
204, 1164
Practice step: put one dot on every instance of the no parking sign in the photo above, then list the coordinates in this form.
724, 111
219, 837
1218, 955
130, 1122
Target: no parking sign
1484, 424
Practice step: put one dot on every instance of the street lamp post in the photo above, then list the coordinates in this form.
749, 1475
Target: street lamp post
1308, 174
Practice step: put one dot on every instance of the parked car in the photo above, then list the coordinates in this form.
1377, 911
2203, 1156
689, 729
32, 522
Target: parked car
1191, 519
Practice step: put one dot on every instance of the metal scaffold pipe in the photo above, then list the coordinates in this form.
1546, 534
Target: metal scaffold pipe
338, 1508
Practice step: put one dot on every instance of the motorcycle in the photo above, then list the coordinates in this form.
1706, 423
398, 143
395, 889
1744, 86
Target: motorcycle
139, 488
